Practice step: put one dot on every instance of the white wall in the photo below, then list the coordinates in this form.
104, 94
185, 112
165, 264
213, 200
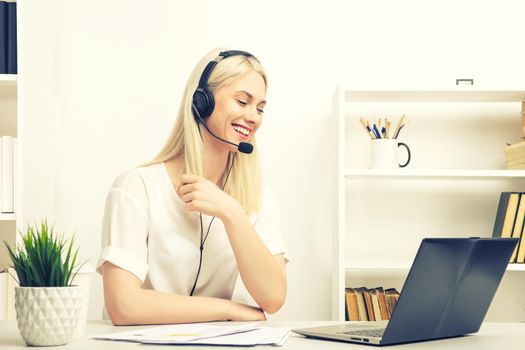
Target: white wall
121, 67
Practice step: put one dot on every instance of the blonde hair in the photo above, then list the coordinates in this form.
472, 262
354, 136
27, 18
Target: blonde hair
185, 141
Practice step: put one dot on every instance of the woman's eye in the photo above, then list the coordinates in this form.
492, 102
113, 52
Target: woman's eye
260, 110
242, 102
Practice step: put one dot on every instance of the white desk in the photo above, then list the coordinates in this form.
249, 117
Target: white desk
491, 336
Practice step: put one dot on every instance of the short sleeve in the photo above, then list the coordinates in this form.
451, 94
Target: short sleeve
125, 226
268, 225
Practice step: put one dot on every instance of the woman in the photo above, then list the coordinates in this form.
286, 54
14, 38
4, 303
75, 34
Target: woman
164, 258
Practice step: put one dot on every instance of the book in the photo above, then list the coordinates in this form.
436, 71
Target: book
3, 37
352, 309
11, 284
520, 258
12, 66
374, 294
506, 214
518, 226
368, 302
515, 155
382, 304
15, 174
3, 295
361, 304
391, 295
7, 178
520, 254
516, 161
511, 147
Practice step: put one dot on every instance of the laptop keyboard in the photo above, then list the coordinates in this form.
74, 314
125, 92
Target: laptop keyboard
378, 332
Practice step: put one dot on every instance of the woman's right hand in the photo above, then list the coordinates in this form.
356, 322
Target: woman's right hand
242, 312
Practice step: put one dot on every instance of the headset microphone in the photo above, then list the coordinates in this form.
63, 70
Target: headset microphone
243, 147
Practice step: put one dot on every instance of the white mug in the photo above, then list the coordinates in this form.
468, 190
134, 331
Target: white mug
384, 154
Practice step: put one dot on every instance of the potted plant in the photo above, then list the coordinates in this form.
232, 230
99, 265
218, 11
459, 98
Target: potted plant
47, 304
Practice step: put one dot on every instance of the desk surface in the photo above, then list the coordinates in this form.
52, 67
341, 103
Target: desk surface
491, 336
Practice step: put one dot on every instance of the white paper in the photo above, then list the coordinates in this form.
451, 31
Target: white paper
179, 333
261, 336
245, 335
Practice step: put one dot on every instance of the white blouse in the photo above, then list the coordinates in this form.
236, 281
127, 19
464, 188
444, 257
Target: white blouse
147, 231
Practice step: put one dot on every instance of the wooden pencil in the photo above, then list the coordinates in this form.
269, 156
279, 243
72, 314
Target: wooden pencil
396, 131
361, 120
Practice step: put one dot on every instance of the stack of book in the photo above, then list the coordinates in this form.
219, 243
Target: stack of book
7, 174
8, 38
515, 155
510, 219
374, 304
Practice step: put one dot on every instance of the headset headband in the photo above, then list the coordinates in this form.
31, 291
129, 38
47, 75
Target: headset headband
203, 82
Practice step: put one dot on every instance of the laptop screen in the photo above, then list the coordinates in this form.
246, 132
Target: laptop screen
449, 288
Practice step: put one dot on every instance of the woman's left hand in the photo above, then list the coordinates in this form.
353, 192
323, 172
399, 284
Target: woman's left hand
201, 195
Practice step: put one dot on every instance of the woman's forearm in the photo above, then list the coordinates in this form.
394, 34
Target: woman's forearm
143, 306
127, 303
261, 272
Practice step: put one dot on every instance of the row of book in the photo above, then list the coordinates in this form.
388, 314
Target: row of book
8, 41
510, 222
374, 304
7, 173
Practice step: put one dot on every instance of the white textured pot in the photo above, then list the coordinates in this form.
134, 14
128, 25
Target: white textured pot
47, 316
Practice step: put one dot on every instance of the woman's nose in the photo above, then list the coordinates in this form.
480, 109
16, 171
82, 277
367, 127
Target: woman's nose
253, 116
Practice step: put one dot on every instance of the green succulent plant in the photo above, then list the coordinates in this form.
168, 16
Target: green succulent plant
40, 261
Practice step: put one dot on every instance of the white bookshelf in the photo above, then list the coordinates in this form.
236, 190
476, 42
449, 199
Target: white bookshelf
458, 94
389, 266
7, 216
410, 174
11, 123
450, 188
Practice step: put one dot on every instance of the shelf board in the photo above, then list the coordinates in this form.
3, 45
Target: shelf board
375, 266
7, 216
459, 94
8, 77
434, 173
8, 83
391, 266
516, 267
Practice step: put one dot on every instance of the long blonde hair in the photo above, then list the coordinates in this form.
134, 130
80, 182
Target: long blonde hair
244, 182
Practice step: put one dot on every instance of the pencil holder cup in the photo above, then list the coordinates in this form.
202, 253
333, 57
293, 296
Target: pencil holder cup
384, 154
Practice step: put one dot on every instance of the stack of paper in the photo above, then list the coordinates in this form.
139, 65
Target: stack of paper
244, 335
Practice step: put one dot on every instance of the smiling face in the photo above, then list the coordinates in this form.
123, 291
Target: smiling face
239, 107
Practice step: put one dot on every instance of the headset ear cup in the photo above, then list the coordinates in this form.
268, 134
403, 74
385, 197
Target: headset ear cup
204, 103
210, 103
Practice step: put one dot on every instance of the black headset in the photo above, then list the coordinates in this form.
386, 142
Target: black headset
203, 100
202, 106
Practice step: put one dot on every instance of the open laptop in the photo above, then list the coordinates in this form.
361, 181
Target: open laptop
447, 293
